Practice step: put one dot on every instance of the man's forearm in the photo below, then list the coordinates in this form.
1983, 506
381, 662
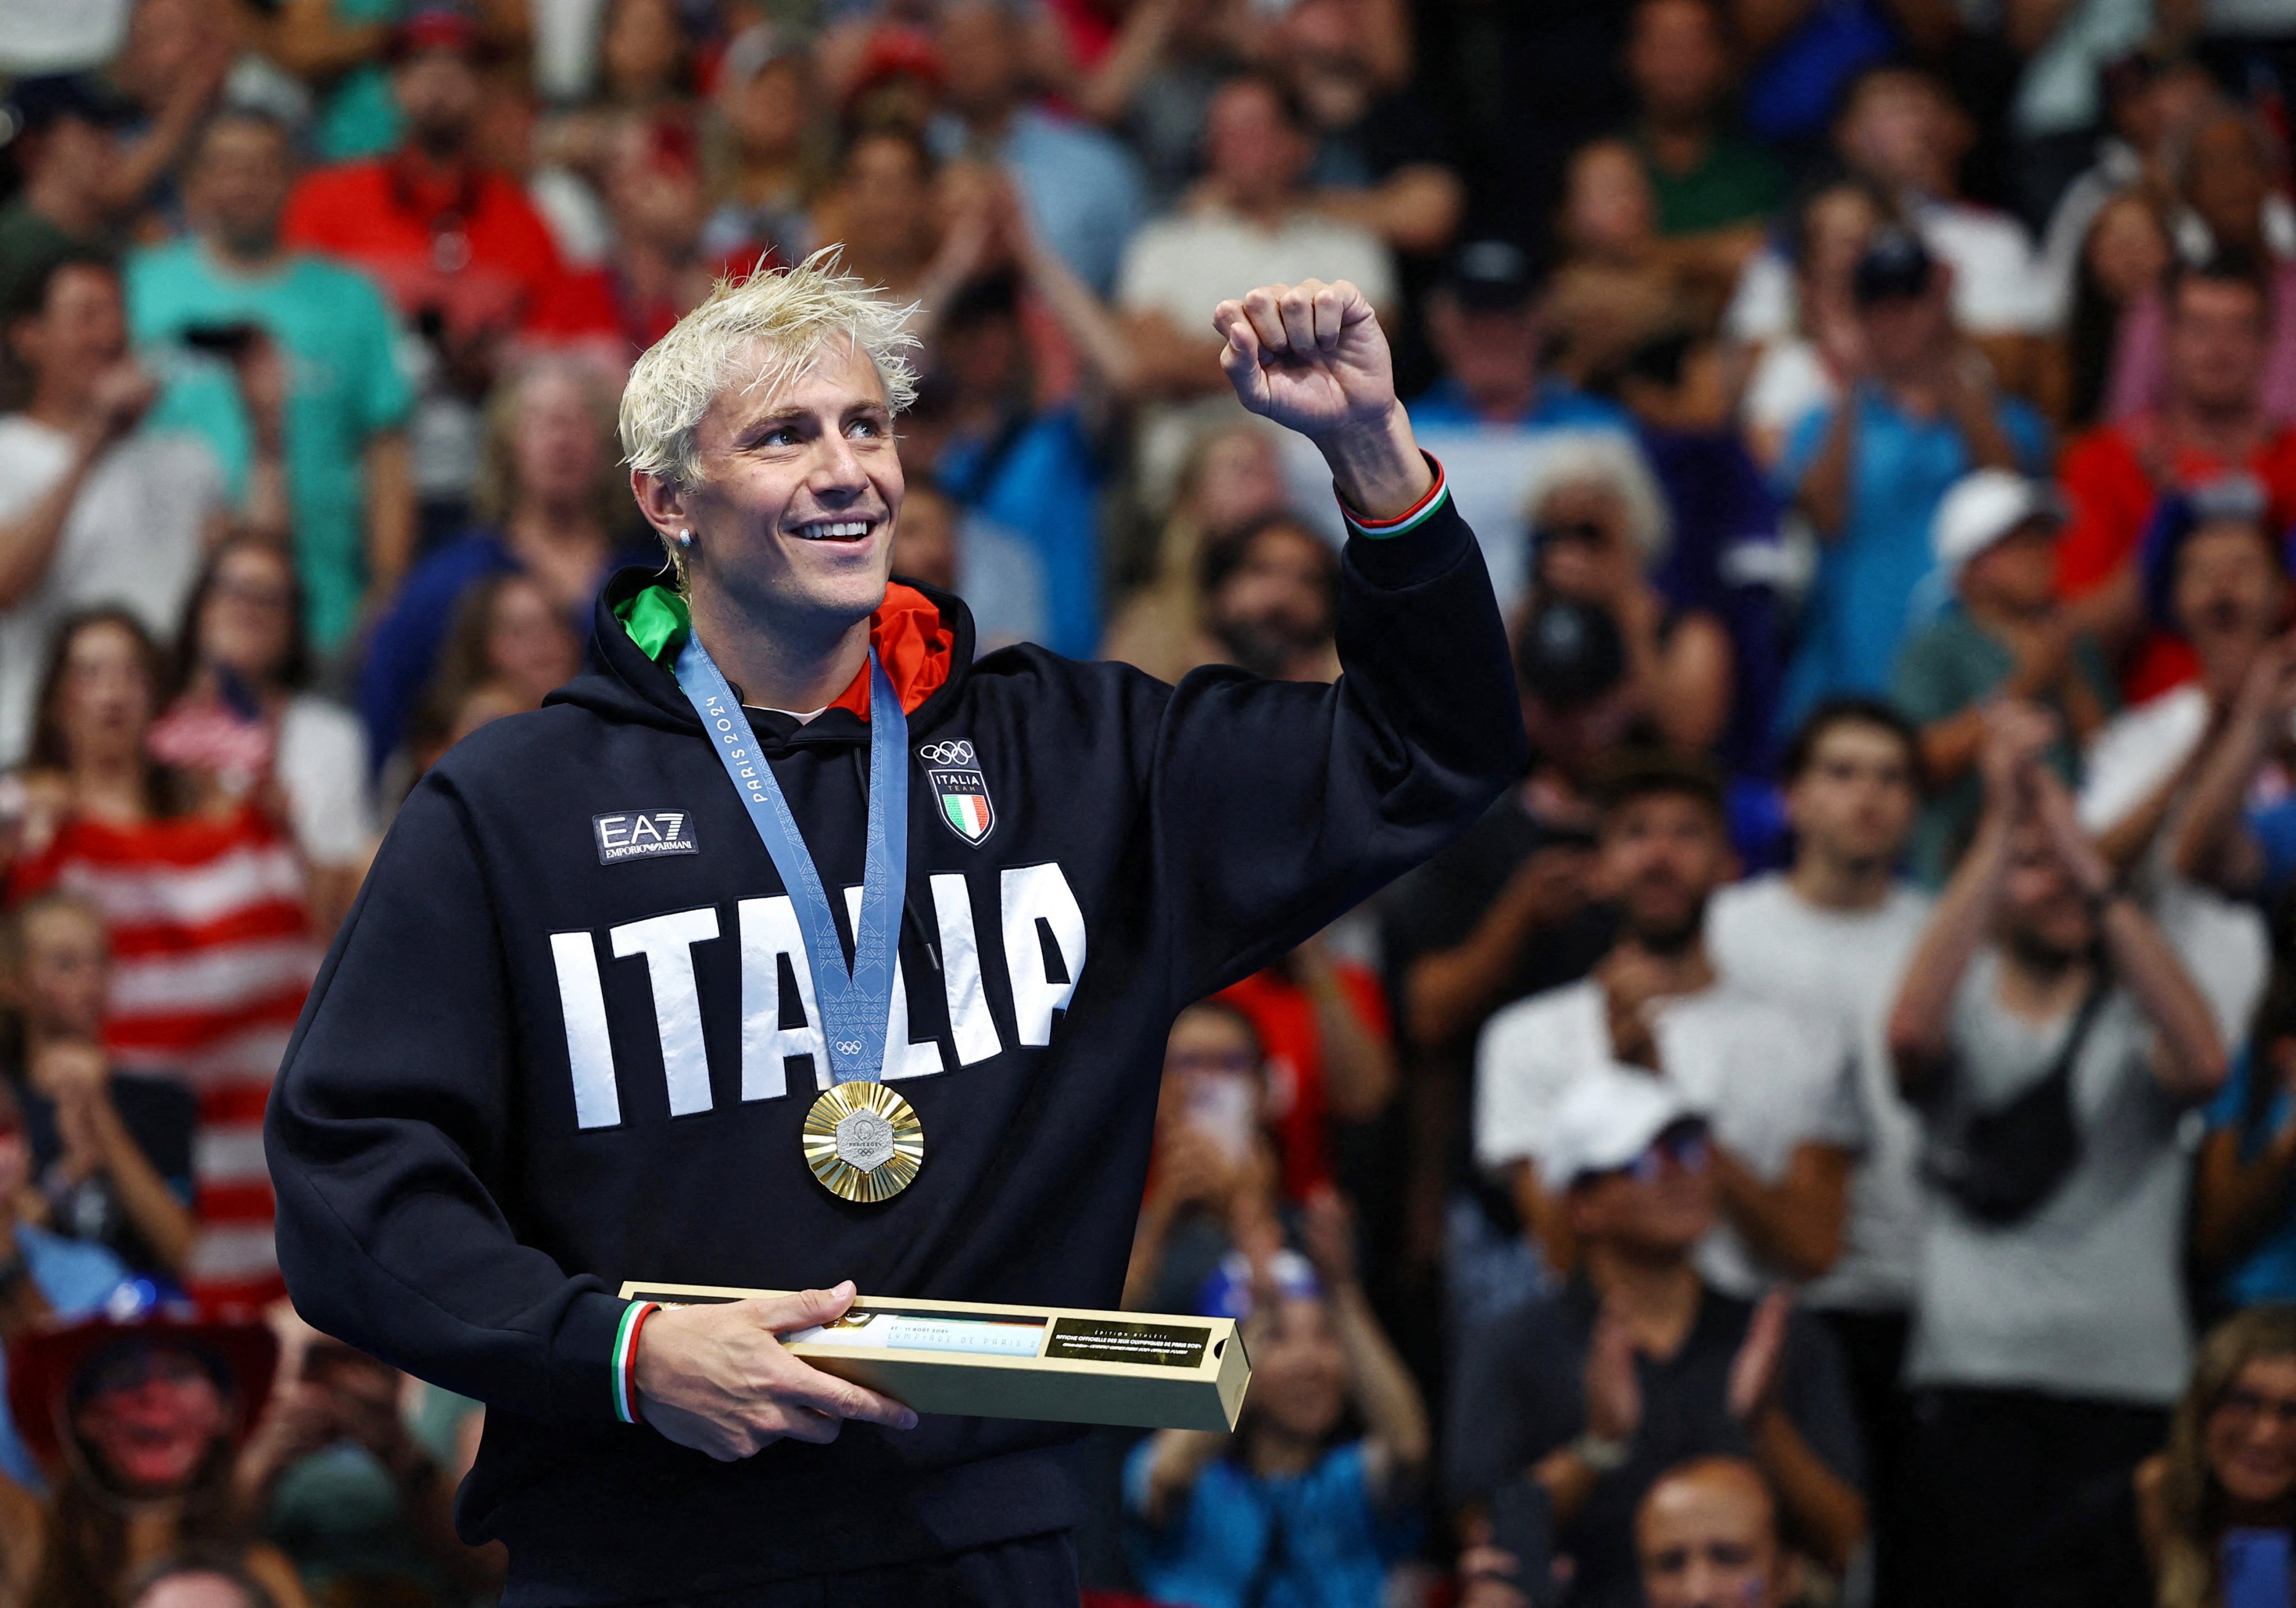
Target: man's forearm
389, 513
2192, 1060
1957, 926
1823, 1510
1825, 488
1794, 1225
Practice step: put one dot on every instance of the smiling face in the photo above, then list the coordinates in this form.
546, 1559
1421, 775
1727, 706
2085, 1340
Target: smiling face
151, 1419
798, 487
2250, 1438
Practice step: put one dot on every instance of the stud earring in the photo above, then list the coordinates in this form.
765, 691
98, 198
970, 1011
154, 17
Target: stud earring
685, 539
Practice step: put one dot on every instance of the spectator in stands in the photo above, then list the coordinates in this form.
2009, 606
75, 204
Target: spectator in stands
2228, 170
1569, 1408
1083, 190
1253, 223
2210, 422
242, 663
49, 1278
1871, 471
1212, 1182
1233, 476
342, 1476
464, 254
1830, 935
1899, 129
1704, 176
1777, 1085
2151, 105
137, 1424
83, 182
1484, 323
507, 644
93, 509
2178, 1530
1380, 152
1706, 1536
1315, 1496
343, 48
446, 236
2039, 989
110, 1160
346, 396
2243, 1226
882, 207
2213, 570
769, 158
1322, 1021
552, 503
2123, 259
1800, 308
204, 898
1620, 283
2003, 635
2236, 829
1600, 526
1271, 599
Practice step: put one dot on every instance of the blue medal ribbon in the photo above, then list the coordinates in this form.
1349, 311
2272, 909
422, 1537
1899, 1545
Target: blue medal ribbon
856, 1007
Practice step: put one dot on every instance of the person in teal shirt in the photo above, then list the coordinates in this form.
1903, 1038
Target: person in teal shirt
349, 41
348, 491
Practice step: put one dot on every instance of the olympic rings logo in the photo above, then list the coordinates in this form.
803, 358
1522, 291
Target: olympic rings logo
959, 752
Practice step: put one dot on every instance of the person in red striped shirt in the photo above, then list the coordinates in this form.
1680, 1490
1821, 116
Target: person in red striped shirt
206, 901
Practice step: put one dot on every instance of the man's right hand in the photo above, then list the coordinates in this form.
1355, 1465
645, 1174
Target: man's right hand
716, 1377
121, 396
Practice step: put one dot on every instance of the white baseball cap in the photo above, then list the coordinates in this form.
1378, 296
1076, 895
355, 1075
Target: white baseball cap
1984, 506
1609, 1115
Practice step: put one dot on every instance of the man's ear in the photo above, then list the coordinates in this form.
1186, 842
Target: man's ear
660, 501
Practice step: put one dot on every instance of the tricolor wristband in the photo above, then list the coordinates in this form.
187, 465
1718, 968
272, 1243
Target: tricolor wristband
1411, 518
626, 1359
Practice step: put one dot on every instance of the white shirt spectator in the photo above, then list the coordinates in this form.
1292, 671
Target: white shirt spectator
134, 536
321, 764
1765, 936
2083, 1298
1767, 1078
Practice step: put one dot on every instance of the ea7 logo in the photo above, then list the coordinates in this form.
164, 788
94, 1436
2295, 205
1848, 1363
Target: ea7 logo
633, 834
959, 789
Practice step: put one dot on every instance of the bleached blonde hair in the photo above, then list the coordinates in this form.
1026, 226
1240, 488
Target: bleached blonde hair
792, 313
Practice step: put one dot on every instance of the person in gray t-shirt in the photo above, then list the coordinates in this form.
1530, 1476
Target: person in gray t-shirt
2048, 1339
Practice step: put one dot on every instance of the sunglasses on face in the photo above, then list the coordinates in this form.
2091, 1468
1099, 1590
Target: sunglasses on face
1686, 1147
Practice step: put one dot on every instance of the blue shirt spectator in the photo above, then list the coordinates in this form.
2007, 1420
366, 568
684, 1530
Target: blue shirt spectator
2255, 1119
1316, 1539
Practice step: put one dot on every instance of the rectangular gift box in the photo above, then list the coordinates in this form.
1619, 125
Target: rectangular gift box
1065, 1364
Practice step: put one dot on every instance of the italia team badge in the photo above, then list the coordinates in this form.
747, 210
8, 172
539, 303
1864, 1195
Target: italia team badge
960, 789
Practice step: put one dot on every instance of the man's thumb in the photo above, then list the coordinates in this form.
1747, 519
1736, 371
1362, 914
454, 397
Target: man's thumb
807, 1308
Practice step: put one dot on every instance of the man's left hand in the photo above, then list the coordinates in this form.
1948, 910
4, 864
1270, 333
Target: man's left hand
1312, 358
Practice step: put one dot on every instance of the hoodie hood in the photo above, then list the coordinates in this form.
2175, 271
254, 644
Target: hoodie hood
923, 638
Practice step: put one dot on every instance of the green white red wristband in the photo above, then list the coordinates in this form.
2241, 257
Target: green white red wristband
626, 1359
1411, 518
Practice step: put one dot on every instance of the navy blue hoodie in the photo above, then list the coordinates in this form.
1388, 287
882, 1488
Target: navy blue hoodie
562, 1042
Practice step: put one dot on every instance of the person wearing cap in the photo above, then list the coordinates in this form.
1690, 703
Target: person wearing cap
2003, 635
1315, 1496
1777, 1083
1578, 1399
1483, 321
2210, 422
1871, 470
135, 1422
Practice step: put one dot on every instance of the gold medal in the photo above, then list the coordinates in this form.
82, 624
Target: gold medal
864, 1142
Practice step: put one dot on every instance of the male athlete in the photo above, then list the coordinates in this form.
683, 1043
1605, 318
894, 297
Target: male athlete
791, 947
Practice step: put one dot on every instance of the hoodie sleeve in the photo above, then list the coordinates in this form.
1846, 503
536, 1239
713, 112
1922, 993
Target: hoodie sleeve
1277, 807
386, 1133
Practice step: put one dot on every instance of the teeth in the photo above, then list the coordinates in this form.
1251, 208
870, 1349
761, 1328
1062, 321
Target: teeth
834, 530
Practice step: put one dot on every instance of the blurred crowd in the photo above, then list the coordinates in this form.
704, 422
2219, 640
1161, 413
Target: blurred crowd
1827, 1135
